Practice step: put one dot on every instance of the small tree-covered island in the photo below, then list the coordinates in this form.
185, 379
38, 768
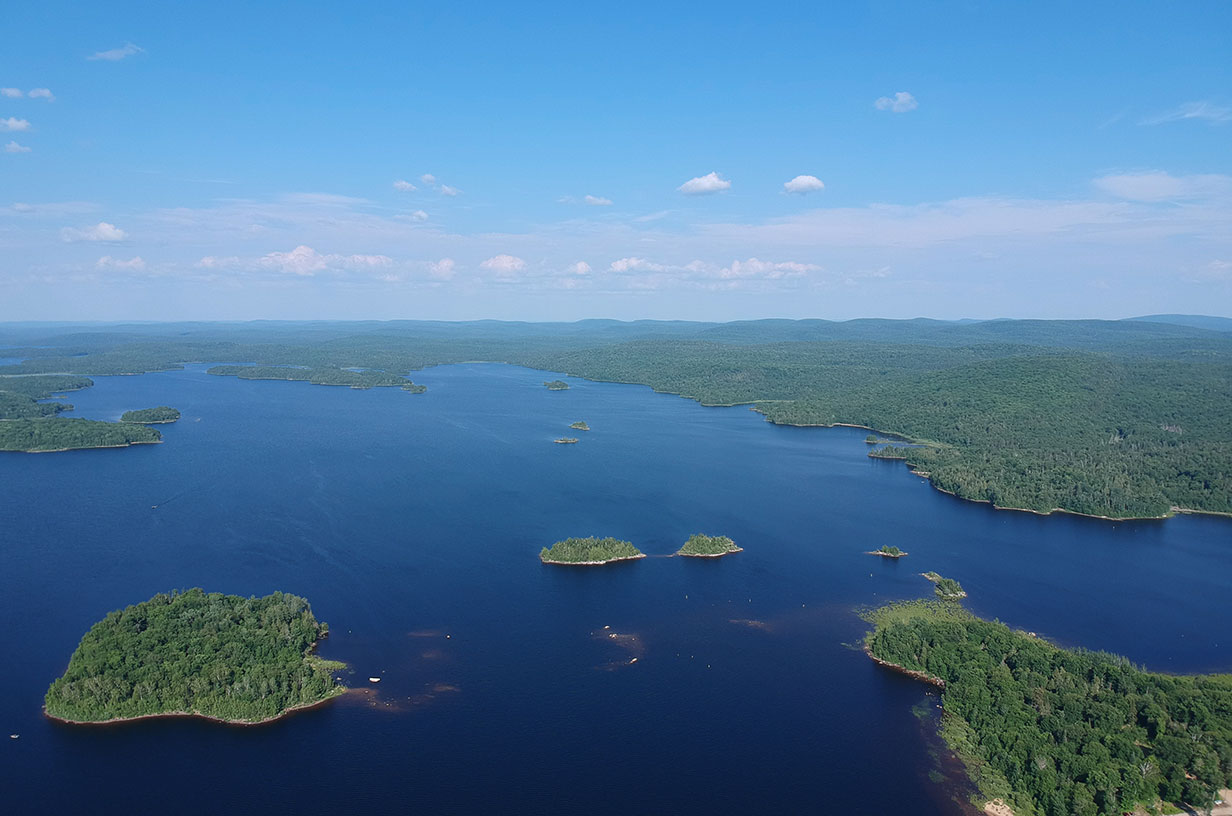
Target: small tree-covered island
947, 589
1055, 732
704, 546
589, 551
580, 426
557, 385
888, 551
221, 657
151, 416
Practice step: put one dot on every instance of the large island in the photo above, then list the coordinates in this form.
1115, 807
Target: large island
589, 551
1056, 731
152, 416
62, 434
222, 657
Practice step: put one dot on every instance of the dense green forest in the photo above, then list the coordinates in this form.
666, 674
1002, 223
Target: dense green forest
1108, 418
223, 656
557, 385
151, 415
70, 434
1060, 732
319, 376
580, 426
588, 551
19, 395
888, 551
704, 545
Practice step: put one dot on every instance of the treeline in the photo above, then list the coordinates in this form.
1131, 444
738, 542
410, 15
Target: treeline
162, 413
318, 376
217, 655
588, 550
19, 395
700, 544
1061, 732
70, 434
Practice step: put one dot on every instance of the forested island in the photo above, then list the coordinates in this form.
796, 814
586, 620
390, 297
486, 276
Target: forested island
151, 416
1057, 732
947, 589
557, 385
240, 660
580, 426
589, 551
62, 434
704, 546
888, 551
320, 375
1113, 419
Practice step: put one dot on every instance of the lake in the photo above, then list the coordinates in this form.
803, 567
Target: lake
413, 523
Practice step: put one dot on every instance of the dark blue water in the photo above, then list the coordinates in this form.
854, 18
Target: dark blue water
412, 523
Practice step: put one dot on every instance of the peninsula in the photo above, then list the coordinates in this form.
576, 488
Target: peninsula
63, 434
589, 551
1050, 730
947, 589
221, 657
557, 385
151, 416
704, 546
888, 551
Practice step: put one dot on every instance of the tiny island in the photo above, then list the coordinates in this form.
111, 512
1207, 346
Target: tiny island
888, 551
557, 385
704, 546
947, 589
580, 426
566, 440
151, 416
589, 551
220, 657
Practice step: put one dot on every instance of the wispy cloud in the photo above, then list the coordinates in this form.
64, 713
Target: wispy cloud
306, 261
117, 54
136, 264
901, 102
13, 147
1202, 111
1156, 185
42, 93
443, 270
446, 190
635, 265
14, 125
802, 185
708, 184
404, 186
102, 231
428, 179
504, 264
597, 201
11, 93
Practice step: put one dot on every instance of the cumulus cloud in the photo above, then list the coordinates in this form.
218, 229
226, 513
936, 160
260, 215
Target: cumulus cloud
802, 185
444, 269
1160, 186
754, 268
635, 265
136, 264
428, 178
597, 201
13, 147
705, 185
901, 102
446, 190
306, 261
102, 231
579, 268
504, 264
1203, 111
13, 125
403, 186
418, 215
41, 93
11, 93
116, 54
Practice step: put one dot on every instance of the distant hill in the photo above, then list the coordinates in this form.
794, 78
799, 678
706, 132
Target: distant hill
1220, 324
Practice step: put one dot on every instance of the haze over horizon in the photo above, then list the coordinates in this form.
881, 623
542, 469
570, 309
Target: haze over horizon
640, 161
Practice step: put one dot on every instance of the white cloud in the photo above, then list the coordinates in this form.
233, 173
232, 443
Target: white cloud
754, 268
801, 185
11, 93
446, 190
504, 264
598, 201
418, 215
13, 125
428, 178
705, 185
213, 262
116, 54
1205, 111
444, 269
13, 147
322, 199
306, 261
22, 207
102, 231
1160, 186
136, 264
901, 102
579, 268
41, 93
403, 186
635, 265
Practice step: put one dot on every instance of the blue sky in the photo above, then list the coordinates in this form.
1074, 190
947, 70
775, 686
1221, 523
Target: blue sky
629, 160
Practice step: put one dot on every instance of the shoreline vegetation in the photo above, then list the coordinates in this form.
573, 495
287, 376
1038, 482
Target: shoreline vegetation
705, 546
59, 434
151, 416
888, 551
947, 589
1051, 731
184, 654
321, 375
588, 552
